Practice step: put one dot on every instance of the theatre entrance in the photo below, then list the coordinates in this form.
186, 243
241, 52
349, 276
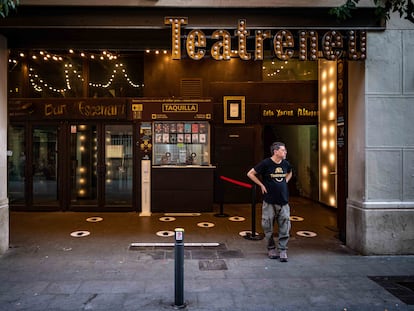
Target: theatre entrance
71, 166
302, 145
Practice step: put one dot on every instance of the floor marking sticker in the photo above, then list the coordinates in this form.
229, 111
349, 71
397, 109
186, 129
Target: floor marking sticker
237, 218
167, 218
206, 224
94, 219
80, 234
165, 233
245, 233
307, 234
296, 218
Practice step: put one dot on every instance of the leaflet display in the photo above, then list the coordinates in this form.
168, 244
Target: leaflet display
181, 143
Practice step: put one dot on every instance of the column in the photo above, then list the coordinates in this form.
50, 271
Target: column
380, 207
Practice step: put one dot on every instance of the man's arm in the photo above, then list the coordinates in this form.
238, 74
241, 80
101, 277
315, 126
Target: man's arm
288, 176
252, 175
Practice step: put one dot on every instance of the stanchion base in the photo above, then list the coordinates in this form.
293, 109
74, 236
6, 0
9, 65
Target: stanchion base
179, 307
256, 237
221, 215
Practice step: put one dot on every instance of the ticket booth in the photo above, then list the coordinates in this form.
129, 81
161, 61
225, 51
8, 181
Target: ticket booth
175, 139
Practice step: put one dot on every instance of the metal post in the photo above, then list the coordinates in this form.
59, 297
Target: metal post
179, 269
253, 235
254, 211
220, 184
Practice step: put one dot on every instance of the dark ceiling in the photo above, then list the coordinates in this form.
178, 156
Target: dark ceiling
136, 28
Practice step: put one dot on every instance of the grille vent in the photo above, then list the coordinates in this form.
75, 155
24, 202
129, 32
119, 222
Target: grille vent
191, 88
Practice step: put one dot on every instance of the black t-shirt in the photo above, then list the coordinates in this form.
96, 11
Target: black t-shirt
274, 179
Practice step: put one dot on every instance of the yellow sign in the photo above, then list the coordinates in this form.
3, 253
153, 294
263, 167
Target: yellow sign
179, 107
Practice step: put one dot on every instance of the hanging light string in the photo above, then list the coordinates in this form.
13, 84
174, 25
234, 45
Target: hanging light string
39, 84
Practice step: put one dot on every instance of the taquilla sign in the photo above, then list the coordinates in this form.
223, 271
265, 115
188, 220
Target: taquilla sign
303, 44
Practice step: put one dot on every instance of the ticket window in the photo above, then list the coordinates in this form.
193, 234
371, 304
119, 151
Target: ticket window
181, 143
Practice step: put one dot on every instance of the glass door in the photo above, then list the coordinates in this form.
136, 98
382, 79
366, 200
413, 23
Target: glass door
101, 166
44, 164
118, 165
84, 164
16, 164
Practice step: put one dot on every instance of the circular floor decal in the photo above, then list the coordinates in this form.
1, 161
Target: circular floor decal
244, 233
205, 224
94, 219
165, 233
307, 234
80, 234
167, 218
296, 218
237, 218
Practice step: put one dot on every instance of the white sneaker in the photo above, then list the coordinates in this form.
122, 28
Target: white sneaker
272, 254
283, 256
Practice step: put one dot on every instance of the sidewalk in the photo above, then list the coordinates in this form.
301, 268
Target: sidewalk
48, 269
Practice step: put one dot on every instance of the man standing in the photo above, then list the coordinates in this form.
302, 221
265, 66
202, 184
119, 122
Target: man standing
275, 173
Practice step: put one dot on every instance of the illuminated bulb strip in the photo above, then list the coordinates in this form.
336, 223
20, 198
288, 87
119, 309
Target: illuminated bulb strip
176, 34
41, 85
243, 33
332, 43
221, 49
304, 49
58, 58
353, 48
111, 79
196, 41
260, 37
283, 44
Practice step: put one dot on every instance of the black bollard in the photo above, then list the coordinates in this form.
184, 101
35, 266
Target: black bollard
179, 269
220, 184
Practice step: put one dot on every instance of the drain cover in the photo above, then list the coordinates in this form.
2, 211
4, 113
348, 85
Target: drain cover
80, 234
165, 233
307, 234
205, 224
94, 219
167, 218
401, 287
296, 218
237, 218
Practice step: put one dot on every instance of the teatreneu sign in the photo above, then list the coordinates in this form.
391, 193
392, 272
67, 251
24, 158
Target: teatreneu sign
303, 44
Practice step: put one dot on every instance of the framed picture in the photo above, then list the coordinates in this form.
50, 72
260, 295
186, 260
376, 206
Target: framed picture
234, 109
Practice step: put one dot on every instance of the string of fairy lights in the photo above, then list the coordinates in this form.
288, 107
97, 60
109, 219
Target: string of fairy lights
40, 84
119, 70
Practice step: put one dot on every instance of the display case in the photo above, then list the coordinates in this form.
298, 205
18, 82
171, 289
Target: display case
181, 143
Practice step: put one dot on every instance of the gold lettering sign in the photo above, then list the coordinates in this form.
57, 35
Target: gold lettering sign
179, 107
55, 110
299, 112
333, 45
88, 110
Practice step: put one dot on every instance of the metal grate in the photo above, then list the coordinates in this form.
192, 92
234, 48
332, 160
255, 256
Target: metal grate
191, 88
401, 287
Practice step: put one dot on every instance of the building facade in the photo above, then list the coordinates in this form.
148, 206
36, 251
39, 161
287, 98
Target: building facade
215, 77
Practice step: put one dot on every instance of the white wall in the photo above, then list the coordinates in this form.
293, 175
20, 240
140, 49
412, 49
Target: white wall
380, 210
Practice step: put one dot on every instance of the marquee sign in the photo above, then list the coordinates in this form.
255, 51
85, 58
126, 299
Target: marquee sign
286, 44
